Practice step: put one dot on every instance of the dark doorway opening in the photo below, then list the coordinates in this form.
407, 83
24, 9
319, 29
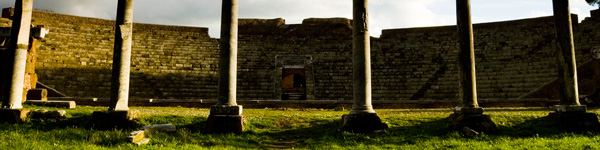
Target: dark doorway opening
293, 84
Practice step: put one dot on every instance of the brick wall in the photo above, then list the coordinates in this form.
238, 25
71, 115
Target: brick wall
512, 58
167, 61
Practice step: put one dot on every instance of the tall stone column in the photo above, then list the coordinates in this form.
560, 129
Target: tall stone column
466, 55
362, 117
18, 46
226, 115
118, 114
570, 114
468, 118
12, 110
119, 90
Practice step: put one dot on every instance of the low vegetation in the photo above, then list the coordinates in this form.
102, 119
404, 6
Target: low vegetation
519, 128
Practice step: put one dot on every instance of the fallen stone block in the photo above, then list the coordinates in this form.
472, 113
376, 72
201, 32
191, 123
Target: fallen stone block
37, 94
46, 114
139, 137
160, 128
59, 104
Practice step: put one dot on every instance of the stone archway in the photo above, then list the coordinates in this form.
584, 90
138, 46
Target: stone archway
293, 84
293, 78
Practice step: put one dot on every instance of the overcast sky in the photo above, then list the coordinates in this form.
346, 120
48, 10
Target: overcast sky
384, 14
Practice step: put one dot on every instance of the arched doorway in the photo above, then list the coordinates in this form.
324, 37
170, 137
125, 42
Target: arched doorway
293, 84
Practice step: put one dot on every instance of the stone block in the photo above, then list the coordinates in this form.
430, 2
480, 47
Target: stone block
13, 115
225, 123
139, 137
362, 123
114, 119
578, 122
570, 108
226, 110
45, 114
160, 128
60, 104
37, 94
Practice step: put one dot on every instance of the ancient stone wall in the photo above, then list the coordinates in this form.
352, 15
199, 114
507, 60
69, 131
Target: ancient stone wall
167, 61
513, 58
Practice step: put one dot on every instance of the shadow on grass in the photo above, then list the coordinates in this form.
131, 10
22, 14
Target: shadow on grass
537, 127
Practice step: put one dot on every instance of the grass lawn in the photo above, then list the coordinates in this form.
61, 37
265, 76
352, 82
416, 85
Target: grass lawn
519, 128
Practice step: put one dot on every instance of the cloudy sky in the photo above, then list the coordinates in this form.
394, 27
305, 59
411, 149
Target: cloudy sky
385, 14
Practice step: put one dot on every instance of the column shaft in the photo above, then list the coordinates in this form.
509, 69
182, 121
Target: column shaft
361, 60
466, 55
18, 51
567, 68
119, 92
228, 53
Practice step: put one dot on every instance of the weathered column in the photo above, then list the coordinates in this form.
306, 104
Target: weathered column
118, 114
228, 53
12, 111
468, 118
570, 114
119, 90
21, 27
226, 115
361, 59
466, 55
362, 117
567, 68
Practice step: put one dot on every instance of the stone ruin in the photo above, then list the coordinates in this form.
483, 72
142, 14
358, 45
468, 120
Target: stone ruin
320, 59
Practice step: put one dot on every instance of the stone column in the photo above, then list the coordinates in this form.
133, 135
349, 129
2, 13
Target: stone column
228, 53
118, 114
119, 90
18, 46
361, 59
12, 111
362, 117
226, 115
570, 114
466, 55
567, 68
468, 118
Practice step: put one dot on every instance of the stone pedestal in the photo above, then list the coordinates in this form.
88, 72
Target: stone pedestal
470, 121
114, 119
574, 118
13, 115
362, 123
225, 119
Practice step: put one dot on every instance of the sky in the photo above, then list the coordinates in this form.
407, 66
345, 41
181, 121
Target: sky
384, 14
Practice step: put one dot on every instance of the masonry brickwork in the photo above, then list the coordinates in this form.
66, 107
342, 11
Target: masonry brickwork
512, 58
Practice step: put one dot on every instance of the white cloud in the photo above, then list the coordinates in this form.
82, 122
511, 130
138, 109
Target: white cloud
538, 13
386, 14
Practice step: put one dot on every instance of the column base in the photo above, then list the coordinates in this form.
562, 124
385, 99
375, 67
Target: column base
226, 110
470, 121
225, 119
362, 123
114, 119
225, 124
13, 115
574, 118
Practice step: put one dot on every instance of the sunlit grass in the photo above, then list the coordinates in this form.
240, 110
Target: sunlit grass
519, 128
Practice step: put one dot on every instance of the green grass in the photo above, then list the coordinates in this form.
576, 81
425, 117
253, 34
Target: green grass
519, 128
